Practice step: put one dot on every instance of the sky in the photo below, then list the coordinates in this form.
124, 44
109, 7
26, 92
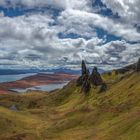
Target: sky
61, 33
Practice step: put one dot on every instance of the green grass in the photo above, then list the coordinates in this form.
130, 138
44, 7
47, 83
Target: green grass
69, 114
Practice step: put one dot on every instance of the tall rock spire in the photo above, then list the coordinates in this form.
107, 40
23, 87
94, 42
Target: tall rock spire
95, 77
84, 69
138, 65
84, 79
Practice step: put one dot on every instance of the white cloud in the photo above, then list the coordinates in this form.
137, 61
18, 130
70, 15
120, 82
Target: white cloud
33, 3
33, 41
83, 22
114, 54
128, 10
64, 4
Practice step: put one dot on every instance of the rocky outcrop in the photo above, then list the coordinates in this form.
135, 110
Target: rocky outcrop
138, 66
95, 77
84, 74
85, 80
84, 68
86, 84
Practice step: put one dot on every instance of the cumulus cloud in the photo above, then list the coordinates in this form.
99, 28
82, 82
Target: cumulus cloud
33, 3
83, 22
127, 9
32, 40
114, 54
62, 4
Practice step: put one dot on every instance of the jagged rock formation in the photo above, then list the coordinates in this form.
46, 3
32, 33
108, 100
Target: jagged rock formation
84, 79
85, 72
138, 66
84, 68
86, 84
79, 81
95, 77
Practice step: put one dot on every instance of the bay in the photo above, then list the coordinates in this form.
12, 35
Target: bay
10, 78
48, 88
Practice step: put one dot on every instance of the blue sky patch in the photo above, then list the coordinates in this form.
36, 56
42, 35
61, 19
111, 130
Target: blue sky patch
109, 37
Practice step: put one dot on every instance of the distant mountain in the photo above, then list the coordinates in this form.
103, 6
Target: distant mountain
65, 70
57, 70
17, 71
25, 71
71, 71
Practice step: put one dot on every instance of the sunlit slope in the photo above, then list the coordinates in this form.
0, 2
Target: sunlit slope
69, 114
15, 125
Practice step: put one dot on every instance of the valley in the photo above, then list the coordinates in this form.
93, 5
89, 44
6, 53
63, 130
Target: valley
71, 114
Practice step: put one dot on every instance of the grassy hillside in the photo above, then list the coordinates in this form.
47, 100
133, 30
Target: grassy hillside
69, 114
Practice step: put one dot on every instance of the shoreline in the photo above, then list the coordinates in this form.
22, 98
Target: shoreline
34, 81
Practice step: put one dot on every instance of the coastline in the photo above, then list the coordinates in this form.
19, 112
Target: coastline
35, 80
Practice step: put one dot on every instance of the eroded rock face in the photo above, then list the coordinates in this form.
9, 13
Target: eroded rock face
79, 81
85, 72
138, 66
84, 68
86, 85
85, 80
95, 77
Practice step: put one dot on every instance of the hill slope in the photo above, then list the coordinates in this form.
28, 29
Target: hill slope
69, 114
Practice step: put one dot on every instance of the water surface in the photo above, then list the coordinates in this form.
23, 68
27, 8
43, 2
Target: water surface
47, 88
11, 78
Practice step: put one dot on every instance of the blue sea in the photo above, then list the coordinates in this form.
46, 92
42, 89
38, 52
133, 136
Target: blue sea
10, 78
48, 88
